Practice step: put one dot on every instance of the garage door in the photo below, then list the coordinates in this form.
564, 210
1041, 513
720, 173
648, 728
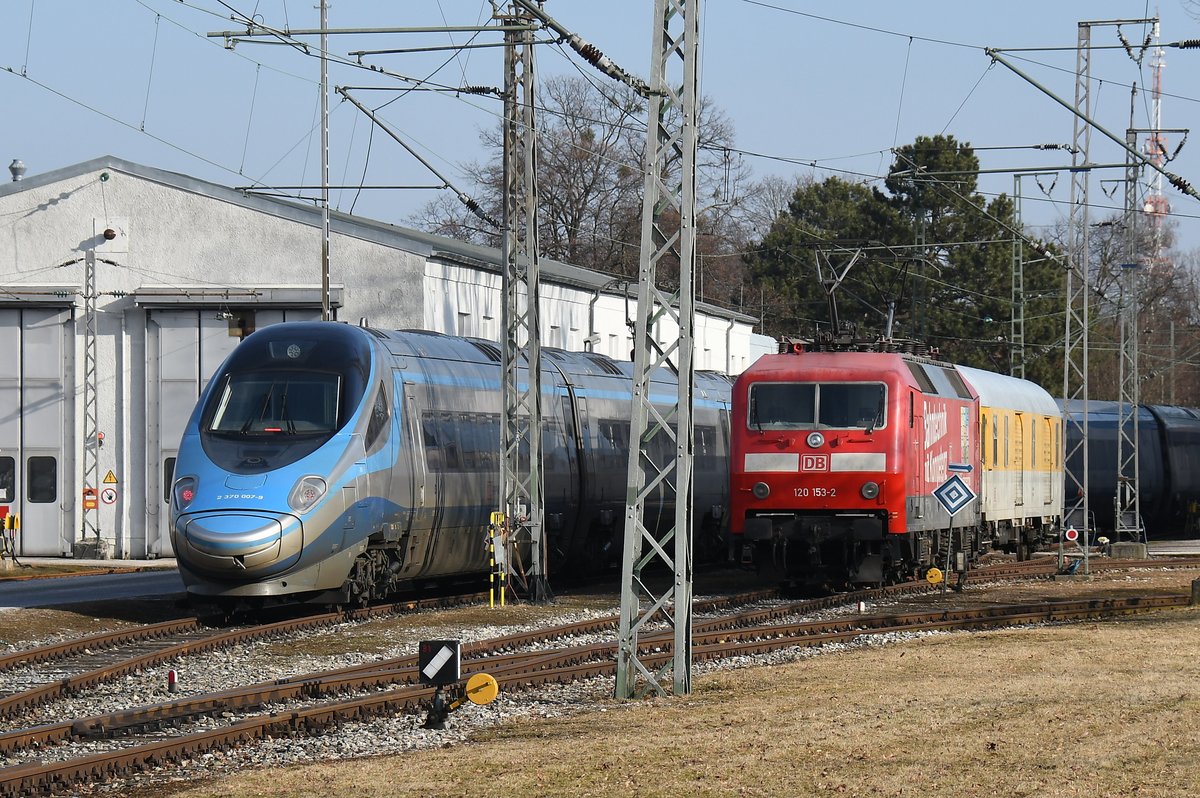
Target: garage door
184, 348
36, 467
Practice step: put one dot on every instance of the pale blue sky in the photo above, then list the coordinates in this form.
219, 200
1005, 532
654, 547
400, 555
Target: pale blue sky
833, 83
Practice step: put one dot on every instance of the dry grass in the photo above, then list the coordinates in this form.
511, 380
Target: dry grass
1097, 709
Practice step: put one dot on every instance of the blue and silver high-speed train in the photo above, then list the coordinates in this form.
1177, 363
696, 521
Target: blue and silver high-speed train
338, 464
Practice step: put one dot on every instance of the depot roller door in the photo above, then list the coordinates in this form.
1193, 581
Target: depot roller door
36, 440
184, 347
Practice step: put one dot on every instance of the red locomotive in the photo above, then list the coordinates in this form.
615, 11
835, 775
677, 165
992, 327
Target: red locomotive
835, 458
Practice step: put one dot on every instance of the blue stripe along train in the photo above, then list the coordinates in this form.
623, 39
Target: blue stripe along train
338, 464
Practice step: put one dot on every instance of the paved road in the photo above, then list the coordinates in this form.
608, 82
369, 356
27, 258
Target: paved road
51, 591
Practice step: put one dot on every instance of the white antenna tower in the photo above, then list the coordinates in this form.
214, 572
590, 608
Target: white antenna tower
1157, 207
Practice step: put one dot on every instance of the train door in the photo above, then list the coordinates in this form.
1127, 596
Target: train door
1046, 466
408, 478
562, 472
424, 485
183, 350
1018, 465
916, 423
36, 469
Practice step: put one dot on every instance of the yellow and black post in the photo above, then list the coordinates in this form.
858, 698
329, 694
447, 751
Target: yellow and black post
497, 561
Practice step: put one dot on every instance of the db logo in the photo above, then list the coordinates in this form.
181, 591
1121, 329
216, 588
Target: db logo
814, 462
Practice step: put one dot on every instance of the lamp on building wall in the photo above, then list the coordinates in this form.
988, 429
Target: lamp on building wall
17, 167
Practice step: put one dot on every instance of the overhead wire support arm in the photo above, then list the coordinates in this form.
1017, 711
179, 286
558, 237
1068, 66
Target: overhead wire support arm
590, 52
1174, 179
463, 197
914, 171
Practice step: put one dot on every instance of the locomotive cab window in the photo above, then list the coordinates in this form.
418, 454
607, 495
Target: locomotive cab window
277, 403
828, 405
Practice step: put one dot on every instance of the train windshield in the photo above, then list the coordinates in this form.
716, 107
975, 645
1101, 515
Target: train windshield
813, 405
277, 403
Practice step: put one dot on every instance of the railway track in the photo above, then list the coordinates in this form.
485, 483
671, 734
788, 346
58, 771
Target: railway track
58, 670
391, 686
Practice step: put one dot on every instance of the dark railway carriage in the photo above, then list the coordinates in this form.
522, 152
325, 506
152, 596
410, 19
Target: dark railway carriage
1180, 511
835, 458
334, 463
1168, 465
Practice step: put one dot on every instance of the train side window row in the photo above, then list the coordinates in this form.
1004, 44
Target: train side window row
463, 441
613, 441
1048, 456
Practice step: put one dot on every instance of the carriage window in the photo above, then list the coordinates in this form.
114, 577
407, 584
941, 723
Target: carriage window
956, 383
168, 478
379, 417
1033, 442
1007, 437
41, 479
706, 456
983, 425
920, 376
8, 479
995, 442
834, 405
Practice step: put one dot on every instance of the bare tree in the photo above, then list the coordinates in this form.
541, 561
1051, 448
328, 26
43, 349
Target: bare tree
591, 138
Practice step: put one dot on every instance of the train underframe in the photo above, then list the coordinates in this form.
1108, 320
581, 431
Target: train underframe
847, 549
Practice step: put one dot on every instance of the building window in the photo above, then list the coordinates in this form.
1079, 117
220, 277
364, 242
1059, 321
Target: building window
8, 479
41, 480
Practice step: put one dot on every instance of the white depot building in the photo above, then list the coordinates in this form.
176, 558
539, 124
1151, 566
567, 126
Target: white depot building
183, 270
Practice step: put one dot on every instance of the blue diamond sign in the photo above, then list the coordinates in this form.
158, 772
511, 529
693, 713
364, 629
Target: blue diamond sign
954, 494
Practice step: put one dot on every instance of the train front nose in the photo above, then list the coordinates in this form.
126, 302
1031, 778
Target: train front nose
239, 544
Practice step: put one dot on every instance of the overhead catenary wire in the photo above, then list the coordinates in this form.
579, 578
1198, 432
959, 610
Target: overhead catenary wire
150, 71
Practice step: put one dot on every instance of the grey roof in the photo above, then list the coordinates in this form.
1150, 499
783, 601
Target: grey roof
417, 242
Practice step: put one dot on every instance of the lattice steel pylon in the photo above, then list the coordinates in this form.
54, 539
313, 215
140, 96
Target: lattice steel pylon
1127, 500
1016, 337
1075, 351
521, 484
661, 430
90, 524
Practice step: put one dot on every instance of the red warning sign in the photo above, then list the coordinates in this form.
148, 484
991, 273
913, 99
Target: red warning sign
89, 499
1072, 534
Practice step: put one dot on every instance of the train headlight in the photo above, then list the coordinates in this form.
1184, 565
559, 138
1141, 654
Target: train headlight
185, 491
761, 490
816, 440
869, 490
308, 491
